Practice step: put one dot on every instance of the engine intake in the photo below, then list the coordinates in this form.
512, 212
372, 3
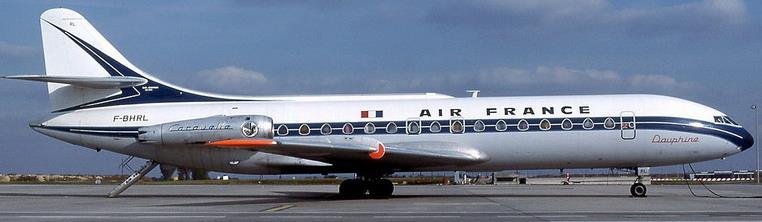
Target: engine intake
203, 130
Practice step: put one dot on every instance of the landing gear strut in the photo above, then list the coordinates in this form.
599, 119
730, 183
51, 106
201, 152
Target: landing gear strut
374, 187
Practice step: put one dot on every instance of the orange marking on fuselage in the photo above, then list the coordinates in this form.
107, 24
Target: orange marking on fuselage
379, 153
242, 143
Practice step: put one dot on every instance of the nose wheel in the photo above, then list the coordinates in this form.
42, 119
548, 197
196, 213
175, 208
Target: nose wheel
638, 190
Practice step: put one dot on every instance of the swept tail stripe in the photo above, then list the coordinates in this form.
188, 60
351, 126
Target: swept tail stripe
132, 95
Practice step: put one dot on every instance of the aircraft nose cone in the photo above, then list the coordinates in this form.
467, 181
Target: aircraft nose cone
747, 141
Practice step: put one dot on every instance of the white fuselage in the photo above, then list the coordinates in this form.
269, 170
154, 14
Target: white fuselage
657, 130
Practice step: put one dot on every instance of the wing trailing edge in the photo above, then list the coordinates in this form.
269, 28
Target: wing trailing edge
340, 150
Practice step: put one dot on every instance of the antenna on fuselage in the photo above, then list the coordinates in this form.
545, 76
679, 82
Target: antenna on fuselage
474, 92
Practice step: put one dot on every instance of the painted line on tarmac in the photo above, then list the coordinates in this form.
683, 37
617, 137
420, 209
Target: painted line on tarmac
541, 216
117, 217
657, 212
300, 217
655, 215
515, 216
413, 217
278, 208
750, 215
455, 204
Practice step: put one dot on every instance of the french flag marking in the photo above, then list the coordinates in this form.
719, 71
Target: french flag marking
371, 114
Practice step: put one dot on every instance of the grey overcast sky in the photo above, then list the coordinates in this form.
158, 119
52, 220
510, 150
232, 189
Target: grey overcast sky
705, 51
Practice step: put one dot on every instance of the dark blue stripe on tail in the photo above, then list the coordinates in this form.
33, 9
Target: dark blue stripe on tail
151, 92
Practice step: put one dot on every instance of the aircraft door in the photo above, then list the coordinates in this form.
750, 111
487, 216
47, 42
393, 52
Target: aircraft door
627, 125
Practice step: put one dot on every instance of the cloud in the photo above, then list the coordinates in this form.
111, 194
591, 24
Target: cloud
542, 80
232, 78
544, 76
11, 51
707, 17
322, 5
497, 14
712, 16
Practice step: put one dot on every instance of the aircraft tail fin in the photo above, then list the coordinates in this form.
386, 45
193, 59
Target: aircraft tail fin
84, 70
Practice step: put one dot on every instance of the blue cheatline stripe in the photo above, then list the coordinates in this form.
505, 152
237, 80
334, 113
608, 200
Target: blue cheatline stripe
160, 94
735, 135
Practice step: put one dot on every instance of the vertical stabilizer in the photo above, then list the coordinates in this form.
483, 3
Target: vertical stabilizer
75, 50
63, 57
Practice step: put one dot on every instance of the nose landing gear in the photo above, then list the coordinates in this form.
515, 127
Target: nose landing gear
638, 190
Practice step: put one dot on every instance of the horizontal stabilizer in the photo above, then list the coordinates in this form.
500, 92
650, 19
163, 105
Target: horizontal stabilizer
109, 82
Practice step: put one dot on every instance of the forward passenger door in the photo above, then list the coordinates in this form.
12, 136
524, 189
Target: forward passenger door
627, 125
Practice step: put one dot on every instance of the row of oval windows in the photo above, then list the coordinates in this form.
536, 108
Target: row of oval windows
456, 126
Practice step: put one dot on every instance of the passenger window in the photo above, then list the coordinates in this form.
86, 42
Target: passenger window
282, 130
545, 124
609, 123
304, 130
523, 125
718, 119
456, 126
567, 124
501, 126
479, 126
326, 129
588, 124
413, 128
391, 127
348, 128
435, 127
370, 128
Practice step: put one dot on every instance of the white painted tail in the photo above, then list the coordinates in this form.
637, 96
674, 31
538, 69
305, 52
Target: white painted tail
62, 30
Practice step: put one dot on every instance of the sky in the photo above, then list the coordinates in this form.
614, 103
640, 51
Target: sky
704, 51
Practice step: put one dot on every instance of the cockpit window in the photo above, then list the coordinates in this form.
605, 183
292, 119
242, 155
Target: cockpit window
729, 120
725, 120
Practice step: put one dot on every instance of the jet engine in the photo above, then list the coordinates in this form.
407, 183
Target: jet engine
203, 130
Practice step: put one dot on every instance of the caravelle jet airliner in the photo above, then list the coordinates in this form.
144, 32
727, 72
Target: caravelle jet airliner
100, 100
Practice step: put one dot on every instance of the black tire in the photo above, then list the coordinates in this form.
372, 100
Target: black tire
638, 190
353, 188
381, 188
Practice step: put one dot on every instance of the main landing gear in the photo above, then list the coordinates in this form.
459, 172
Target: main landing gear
366, 187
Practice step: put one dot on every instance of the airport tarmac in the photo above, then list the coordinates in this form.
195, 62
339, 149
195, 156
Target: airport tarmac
410, 203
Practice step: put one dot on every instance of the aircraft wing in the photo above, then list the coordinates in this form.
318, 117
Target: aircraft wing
362, 150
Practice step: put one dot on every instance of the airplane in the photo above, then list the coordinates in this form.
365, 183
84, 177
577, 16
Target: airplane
100, 100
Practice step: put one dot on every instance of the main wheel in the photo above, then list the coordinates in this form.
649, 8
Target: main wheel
353, 188
381, 188
638, 190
